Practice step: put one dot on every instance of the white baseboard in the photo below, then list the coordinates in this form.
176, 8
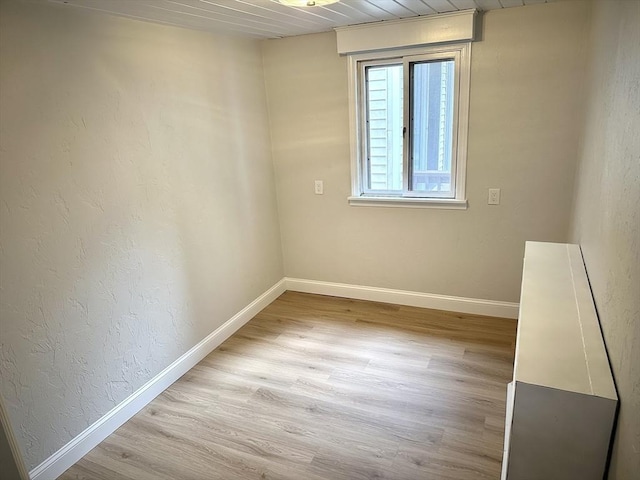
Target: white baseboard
14, 453
490, 308
73, 451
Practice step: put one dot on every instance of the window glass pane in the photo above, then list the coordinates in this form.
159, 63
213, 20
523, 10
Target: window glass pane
384, 127
432, 86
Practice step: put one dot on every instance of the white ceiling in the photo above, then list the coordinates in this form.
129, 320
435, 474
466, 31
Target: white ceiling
269, 19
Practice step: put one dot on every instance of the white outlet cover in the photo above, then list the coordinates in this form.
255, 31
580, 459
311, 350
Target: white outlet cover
494, 196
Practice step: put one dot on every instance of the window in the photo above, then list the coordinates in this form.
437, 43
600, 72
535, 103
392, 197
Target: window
409, 119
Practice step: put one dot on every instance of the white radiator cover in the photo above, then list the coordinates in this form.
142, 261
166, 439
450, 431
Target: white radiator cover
561, 405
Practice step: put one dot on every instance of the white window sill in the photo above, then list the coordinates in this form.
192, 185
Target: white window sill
443, 203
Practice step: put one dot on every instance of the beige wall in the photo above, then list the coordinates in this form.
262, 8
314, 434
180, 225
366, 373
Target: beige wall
138, 208
606, 219
526, 78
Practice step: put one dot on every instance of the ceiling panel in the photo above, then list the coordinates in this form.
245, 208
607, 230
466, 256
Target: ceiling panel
512, 3
394, 8
489, 4
465, 4
442, 6
270, 19
420, 8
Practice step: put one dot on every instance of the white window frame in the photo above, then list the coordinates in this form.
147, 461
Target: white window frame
461, 53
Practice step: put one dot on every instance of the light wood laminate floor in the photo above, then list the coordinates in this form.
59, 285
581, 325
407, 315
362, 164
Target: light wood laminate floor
319, 387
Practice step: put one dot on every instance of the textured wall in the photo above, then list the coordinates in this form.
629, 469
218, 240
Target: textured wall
526, 78
607, 209
137, 204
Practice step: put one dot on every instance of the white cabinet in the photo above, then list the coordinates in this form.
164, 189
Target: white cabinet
562, 402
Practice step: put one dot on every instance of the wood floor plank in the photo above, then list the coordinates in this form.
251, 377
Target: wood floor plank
325, 388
